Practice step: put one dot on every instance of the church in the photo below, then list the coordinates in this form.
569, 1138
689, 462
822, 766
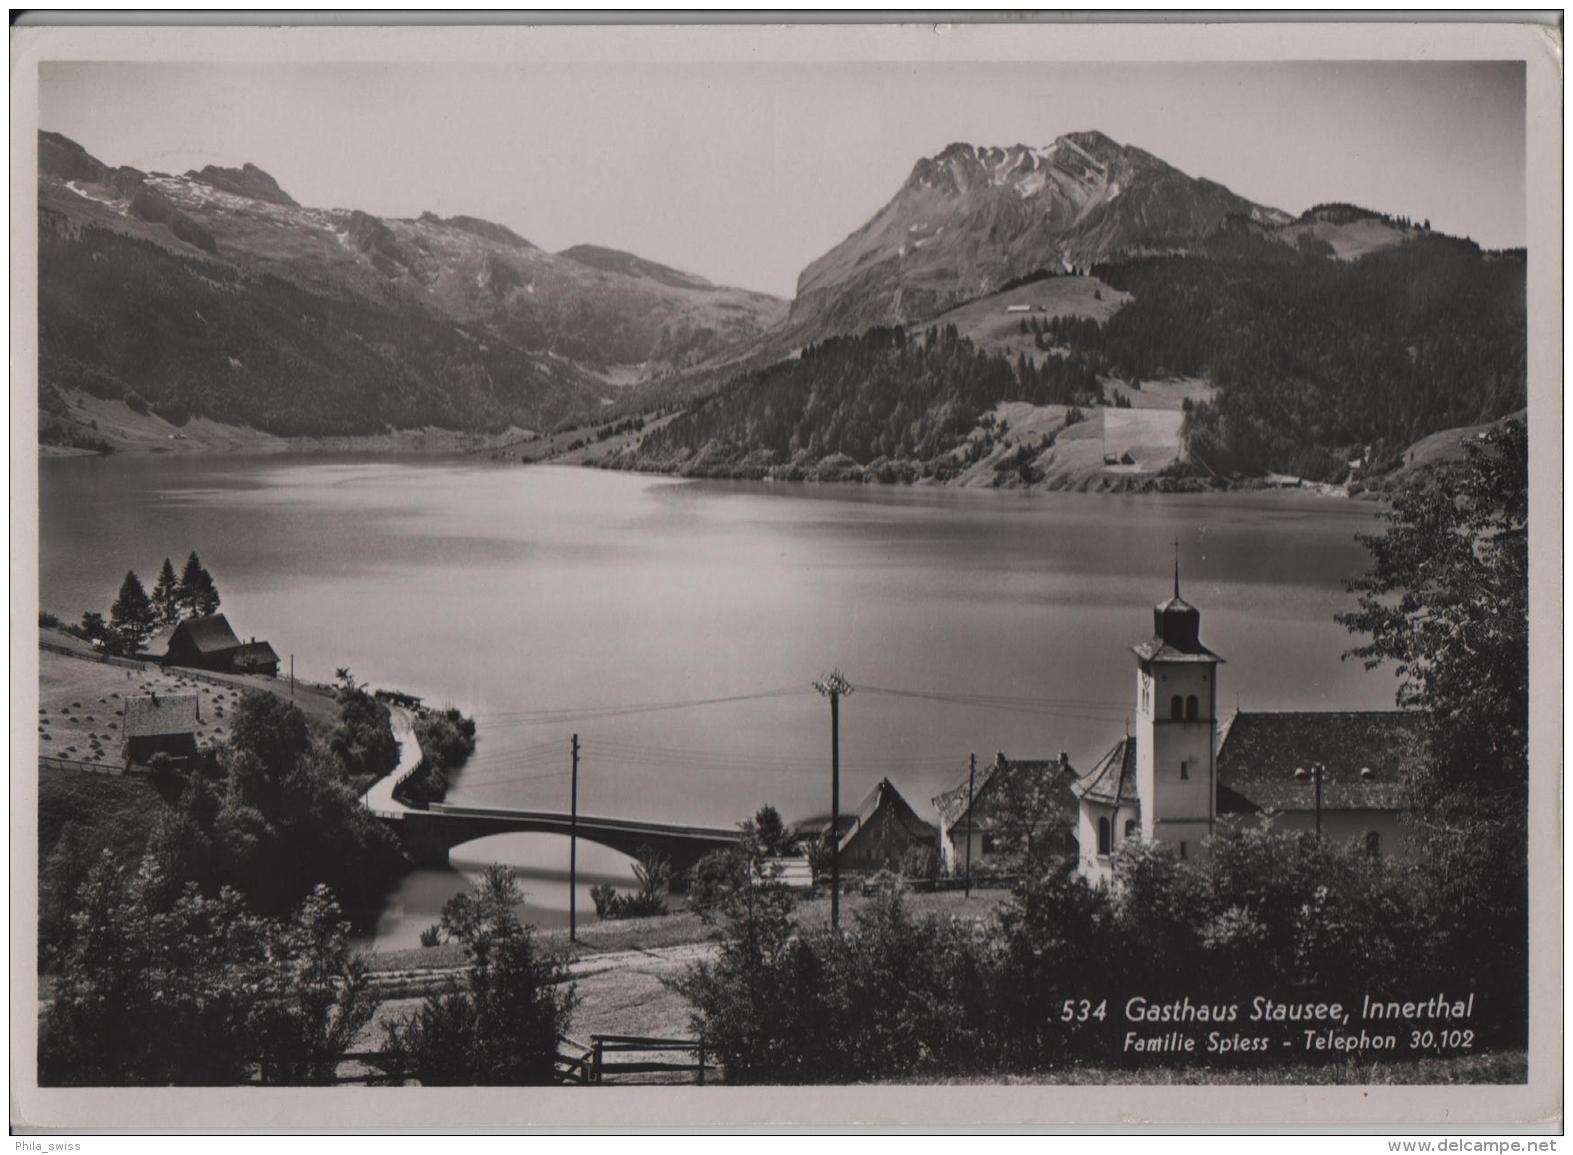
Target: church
1182, 770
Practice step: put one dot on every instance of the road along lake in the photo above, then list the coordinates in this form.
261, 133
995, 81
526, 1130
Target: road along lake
549, 601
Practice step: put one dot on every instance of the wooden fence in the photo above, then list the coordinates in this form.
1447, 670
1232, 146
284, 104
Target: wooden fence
603, 1045
50, 762
575, 1063
93, 656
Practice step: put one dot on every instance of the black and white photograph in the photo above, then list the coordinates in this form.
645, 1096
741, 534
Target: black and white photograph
981, 566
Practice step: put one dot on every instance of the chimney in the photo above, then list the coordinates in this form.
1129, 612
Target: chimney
1065, 760
999, 759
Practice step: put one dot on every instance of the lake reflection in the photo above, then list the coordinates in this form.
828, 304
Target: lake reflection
540, 862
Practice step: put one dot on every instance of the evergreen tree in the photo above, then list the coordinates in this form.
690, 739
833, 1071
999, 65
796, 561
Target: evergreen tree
166, 594
132, 617
500, 1027
198, 593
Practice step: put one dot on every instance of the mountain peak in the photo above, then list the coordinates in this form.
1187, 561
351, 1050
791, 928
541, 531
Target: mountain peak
972, 217
60, 156
247, 181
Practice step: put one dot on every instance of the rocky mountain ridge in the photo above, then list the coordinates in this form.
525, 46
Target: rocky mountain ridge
510, 333
972, 218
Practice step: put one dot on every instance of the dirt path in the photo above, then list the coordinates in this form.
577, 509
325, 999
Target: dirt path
620, 993
379, 799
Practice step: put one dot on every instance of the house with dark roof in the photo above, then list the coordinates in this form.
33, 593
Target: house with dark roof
877, 833
204, 643
255, 657
160, 724
1003, 803
1182, 770
208, 643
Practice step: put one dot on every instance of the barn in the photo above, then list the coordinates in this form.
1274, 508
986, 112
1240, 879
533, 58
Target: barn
203, 643
164, 725
208, 643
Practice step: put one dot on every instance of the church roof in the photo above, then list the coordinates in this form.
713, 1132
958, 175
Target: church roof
1365, 755
1157, 650
1176, 632
1112, 781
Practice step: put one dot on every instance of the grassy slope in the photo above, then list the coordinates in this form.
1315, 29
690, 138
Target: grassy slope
81, 704
110, 813
991, 328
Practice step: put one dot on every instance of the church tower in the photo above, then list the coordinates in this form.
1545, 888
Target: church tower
1176, 726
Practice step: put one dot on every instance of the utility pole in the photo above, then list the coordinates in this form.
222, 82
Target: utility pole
573, 848
1315, 775
972, 773
833, 685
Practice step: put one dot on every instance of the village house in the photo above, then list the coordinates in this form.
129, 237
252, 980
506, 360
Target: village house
208, 643
255, 657
166, 725
1010, 800
1182, 770
878, 834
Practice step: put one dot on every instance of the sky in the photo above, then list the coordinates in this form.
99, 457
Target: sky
744, 173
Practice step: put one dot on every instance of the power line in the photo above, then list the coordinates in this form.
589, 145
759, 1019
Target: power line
564, 714
466, 783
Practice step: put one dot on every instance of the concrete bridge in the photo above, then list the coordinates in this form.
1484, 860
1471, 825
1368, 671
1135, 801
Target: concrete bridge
431, 833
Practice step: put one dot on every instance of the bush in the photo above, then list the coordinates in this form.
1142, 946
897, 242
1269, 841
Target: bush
447, 739
654, 875
161, 986
500, 1026
894, 996
920, 863
364, 741
446, 735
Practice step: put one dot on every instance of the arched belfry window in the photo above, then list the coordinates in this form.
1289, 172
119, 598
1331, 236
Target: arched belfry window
1105, 836
1193, 708
1176, 708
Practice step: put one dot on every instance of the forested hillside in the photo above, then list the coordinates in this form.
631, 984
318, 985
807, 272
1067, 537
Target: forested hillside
1315, 362
881, 394
1315, 357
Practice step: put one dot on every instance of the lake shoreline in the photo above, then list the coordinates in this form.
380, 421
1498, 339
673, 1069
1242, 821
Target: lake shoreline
447, 443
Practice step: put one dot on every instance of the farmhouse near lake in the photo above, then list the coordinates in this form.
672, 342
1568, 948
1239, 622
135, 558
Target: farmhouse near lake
208, 643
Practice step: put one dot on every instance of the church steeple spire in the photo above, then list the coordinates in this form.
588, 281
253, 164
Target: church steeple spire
1176, 565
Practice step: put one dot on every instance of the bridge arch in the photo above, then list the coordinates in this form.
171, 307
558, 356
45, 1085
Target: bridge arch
429, 834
